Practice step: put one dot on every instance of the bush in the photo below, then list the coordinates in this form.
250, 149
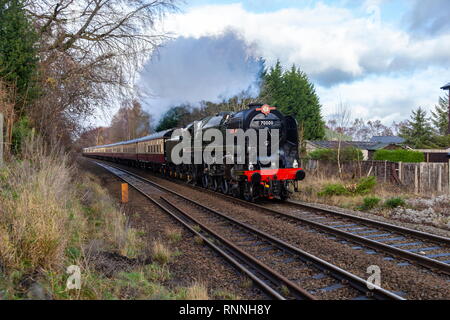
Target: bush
20, 132
365, 185
333, 190
322, 154
399, 155
346, 154
394, 202
370, 203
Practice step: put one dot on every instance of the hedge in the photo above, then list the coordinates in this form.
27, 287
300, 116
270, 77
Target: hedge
399, 155
347, 154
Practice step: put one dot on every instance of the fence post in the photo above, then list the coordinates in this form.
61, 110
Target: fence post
439, 186
1, 140
385, 171
416, 179
400, 171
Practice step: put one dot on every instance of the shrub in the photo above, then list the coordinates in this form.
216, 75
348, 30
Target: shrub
336, 189
20, 132
322, 154
394, 202
399, 155
365, 185
370, 203
346, 154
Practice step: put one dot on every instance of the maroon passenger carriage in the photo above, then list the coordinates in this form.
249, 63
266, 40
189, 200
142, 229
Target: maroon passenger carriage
146, 152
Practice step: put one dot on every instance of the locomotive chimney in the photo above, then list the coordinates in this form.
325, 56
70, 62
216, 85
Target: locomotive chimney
447, 87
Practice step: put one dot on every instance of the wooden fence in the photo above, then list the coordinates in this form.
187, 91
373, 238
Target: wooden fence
420, 178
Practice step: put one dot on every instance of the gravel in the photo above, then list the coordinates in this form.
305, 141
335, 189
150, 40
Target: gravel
413, 282
196, 263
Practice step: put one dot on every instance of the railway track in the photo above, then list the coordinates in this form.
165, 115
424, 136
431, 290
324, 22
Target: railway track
278, 268
401, 245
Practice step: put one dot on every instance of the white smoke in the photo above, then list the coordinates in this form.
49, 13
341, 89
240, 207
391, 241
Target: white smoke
190, 70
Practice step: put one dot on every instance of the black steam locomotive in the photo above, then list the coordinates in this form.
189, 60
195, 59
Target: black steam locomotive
257, 156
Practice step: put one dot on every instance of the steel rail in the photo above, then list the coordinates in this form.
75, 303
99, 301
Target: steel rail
435, 265
419, 234
240, 259
268, 272
340, 274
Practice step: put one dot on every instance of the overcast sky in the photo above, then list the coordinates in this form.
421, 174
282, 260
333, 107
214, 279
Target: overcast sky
381, 58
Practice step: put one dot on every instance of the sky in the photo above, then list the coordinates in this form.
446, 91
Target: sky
381, 58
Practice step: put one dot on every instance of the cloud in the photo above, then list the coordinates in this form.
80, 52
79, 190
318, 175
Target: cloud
387, 98
429, 17
332, 45
189, 70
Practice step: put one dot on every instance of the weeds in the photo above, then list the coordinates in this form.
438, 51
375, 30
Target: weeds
370, 203
198, 240
225, 295
333, 190
364, 186
197, 291
173, 234
160, 253
394, 203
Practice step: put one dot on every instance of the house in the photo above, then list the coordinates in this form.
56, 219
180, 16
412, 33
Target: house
368, 148
388, 139
435, 155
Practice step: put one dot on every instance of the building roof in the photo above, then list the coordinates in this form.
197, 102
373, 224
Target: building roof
363, 145
388, 139
446, 87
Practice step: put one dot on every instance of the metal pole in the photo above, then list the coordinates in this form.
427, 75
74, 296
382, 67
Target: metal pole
448, 111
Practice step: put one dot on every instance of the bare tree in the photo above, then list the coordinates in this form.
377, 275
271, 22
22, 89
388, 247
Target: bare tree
90, 51
341, 116
130, 122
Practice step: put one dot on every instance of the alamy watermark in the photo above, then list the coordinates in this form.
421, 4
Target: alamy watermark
374, 280
74, 279
232, 146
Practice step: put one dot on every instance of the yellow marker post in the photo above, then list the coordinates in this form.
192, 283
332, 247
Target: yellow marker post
124, 192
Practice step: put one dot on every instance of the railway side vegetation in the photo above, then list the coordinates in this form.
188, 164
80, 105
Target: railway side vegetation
346, 154
399, 155
52, 217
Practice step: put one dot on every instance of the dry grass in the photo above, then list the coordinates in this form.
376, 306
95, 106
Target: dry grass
37, 210
160, 253
107, 221
44, 225
310, 187
173, 234
198, 240
197, 291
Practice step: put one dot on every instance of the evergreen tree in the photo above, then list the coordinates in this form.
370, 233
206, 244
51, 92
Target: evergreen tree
172, 118
293, 93
18, 57
439, 116
272, 84
418, 132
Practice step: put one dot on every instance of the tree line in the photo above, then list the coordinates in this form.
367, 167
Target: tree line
62, 60
291, 91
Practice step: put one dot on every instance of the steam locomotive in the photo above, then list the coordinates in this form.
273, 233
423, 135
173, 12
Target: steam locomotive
263, 164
